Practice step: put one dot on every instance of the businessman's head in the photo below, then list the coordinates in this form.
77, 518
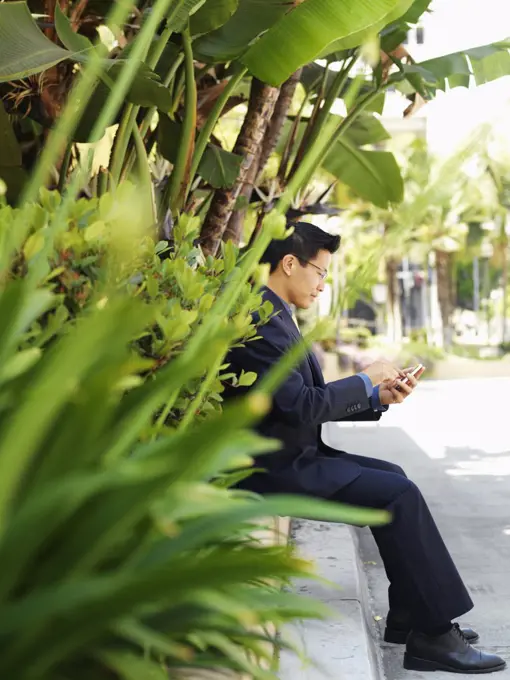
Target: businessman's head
299, 264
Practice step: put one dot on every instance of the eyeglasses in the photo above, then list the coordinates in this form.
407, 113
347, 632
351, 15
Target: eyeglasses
322, 272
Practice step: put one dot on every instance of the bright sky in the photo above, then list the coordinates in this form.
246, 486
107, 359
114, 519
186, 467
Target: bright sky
458, 24
454, 25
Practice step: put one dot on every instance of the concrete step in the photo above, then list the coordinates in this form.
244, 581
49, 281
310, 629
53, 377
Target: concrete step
340, 648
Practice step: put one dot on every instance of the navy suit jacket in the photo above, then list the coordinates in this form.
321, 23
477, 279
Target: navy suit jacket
304, 464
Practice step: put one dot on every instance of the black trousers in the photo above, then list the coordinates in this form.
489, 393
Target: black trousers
424, 581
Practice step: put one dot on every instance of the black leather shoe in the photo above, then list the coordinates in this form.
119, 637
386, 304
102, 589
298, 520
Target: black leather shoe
398, 636
449, 652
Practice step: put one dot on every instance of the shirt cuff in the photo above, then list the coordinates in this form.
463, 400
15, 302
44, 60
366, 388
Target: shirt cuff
376, 401
368, 384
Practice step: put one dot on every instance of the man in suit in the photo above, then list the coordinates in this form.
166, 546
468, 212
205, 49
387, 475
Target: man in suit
426, 592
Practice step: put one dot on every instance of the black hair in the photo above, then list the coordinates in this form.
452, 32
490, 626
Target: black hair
305, 242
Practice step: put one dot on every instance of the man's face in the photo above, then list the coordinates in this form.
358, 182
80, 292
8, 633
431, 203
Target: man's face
306, 279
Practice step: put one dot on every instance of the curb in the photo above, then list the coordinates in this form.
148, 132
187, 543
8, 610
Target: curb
341, 647
366, 606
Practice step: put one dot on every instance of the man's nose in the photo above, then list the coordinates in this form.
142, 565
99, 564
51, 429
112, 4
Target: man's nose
321, 286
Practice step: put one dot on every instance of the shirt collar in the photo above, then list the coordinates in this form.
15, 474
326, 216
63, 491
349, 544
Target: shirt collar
283, 302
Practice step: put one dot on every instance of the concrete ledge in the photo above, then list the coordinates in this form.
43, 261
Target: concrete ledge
341, 647
282, 529
273, 530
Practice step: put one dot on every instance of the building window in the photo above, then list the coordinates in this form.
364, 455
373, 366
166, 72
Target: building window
420, 35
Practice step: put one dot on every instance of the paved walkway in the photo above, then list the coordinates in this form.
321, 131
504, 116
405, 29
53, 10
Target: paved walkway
453, 439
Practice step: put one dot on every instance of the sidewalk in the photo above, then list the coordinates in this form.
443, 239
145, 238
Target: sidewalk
340, 648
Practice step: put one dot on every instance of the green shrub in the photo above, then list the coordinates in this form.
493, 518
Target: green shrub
359, 336
414, 353
125, 554
78, 263
480, 352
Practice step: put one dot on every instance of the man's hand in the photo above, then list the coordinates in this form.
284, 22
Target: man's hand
395, 391
382, 370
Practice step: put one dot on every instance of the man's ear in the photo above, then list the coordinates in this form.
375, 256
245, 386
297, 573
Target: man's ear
288, 264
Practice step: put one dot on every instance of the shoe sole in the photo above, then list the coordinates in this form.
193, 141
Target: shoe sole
397, 637
413, 663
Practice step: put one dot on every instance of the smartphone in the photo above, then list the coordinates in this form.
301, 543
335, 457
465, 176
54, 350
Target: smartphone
415, 370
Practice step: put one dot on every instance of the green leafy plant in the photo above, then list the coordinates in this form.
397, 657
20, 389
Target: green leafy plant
414, 353
173, 276
127, 556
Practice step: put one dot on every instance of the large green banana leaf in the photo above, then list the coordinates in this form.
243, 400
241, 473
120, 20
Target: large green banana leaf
416, 11
25, 51
303, 34
219, 168
395, 33
391, 24
373, 175
366, 129
483, 64
212, 15
251, 19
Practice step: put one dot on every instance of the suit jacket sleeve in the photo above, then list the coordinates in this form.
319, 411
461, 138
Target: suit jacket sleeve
365, 416
296, 402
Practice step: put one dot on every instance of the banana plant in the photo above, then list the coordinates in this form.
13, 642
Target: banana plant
353, 152
207, 33
182, 74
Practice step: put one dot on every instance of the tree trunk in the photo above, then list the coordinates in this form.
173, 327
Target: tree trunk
260, 109
504, 282
425, 303
234, 229
444, 293
235, 225
393, 301
278, 119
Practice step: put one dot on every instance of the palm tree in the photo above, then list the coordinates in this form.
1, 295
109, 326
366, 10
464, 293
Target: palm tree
499, 171
429, 226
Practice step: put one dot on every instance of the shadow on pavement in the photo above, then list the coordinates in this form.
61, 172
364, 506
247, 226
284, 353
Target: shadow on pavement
468, 491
